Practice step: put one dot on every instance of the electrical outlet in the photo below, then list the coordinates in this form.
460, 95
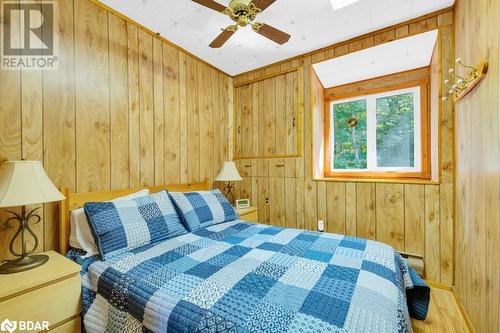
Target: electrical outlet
321, 225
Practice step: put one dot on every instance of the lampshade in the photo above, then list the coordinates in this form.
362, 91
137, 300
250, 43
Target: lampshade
26, 183
229, 173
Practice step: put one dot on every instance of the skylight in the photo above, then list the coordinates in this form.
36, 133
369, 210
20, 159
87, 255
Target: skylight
389, 58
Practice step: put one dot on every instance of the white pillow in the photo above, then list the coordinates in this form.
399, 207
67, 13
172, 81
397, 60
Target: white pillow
80, 236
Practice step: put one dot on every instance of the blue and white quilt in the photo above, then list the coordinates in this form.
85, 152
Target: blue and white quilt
244, 277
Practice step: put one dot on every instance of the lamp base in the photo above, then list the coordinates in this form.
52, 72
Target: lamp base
23, 264
229, 192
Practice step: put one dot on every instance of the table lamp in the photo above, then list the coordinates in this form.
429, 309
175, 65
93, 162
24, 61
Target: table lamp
25, 183
229, 174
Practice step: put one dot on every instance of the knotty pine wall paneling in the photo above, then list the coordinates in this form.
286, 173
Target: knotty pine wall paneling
133, 104
119, 103
126, 108
477, 242
59, 124
413, 217
11, 101
93, 160
146, 112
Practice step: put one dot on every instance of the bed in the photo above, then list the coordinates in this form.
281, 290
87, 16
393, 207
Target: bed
248, 277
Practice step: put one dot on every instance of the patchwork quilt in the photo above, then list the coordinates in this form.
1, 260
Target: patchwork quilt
244, 277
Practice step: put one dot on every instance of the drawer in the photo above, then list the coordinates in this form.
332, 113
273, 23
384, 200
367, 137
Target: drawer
54, 303
72, 326
250, 217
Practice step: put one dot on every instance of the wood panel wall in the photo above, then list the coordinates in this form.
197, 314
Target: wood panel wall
125, 109
478, 167
416, 218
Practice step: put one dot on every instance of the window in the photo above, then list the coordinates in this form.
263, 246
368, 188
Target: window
382, 135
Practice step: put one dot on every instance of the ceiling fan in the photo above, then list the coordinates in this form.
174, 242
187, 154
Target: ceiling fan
243, 13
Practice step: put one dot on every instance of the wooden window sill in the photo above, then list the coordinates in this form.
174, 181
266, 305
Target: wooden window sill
378, 180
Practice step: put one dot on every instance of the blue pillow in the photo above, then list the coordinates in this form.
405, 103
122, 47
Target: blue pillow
129, 224
204, 208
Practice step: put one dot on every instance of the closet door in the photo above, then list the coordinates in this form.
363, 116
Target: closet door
267, 117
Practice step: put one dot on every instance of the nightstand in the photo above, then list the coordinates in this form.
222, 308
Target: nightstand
49, 293
250, 214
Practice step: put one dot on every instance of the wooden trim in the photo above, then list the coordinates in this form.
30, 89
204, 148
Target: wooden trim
154, 34
300, 109
312, 106
377, 175
377, 180
327, 138
439, 45
233, 128
425, 141
355, 39
265, 157
338, 97
425, 129
265, 77
438, 285
418, 75
464, 312
77, 200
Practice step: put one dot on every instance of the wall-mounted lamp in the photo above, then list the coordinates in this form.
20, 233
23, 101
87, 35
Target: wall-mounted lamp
459, 85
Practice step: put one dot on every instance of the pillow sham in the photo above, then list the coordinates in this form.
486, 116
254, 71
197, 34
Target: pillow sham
80, 236
128, 224
203, 208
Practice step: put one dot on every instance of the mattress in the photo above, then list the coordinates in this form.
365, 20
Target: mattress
245, 277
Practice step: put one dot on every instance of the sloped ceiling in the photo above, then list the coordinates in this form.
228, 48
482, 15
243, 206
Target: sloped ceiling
313, 24
388, 58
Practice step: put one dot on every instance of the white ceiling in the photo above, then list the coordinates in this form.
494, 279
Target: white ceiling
313, 24
393, 57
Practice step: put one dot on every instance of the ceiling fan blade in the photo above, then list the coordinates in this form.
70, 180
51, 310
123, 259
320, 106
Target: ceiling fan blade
263, 4
211, 4
273, 34
222, 38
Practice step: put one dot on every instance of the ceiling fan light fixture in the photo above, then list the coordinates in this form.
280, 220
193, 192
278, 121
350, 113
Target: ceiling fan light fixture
338, 4
256, 26
243, 13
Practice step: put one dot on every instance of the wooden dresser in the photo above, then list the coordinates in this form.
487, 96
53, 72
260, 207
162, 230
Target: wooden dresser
49, 293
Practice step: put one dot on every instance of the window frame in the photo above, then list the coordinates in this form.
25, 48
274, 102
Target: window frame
425, 149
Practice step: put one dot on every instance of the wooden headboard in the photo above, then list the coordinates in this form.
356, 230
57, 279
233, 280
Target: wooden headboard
77, 200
